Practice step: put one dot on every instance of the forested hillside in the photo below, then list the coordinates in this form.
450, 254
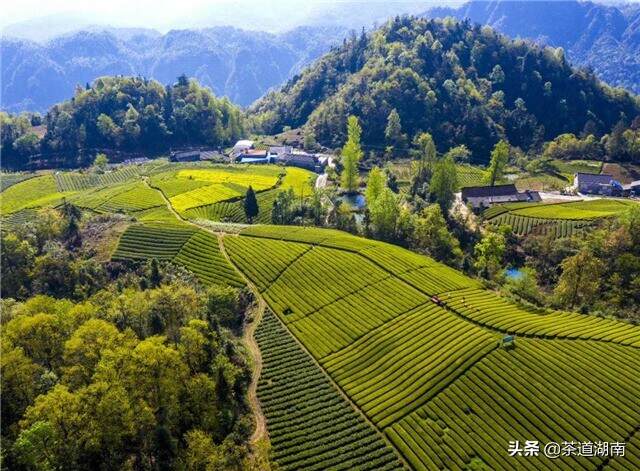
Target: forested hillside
463, 83
124, 113
605, 38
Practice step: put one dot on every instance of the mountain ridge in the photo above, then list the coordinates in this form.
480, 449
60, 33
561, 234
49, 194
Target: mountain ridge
239, 64
603, 37
463, 83
244, 64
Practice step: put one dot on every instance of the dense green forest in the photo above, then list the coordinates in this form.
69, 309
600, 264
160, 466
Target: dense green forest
124, 113
463, 84
113, 365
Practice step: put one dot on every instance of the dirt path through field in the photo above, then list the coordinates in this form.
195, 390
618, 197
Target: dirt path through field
248, 329
248, 332
167, 202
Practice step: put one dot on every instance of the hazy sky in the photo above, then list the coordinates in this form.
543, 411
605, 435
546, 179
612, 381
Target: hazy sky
43, 18
162, 14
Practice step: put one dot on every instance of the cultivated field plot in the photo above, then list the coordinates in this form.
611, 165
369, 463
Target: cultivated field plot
31, 193
310, 425
296, 179
143, 241
18, 218
158, 215
128, 198
394, 369
312, 235
589, 209
189, 188
430, 372
195, 249
543, 390
542, 182
201, 255
560, 219
8, 179
206, 195
569, 167
75, 181
245, 253
469, 175
493, 312
523, 225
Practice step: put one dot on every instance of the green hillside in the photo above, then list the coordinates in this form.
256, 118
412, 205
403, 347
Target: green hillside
463, 84
428, 371
560, 219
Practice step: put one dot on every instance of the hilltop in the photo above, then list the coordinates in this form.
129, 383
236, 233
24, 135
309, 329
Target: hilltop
463, 83
605, 38
129, 114
244, 64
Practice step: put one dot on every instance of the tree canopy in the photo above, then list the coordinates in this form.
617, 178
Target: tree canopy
462, 83
351, 155
125, 113
122, 379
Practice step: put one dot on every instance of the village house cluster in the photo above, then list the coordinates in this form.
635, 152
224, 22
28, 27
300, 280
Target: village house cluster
245, 151
484, 196
603, 184
480, 197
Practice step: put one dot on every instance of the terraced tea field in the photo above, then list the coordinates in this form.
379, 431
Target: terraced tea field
195, 249
311, 426
416, 347
376, 357
31, 193
189, 188
196, 190
75, 181
559, 219
469, 175
546, 390
10, 179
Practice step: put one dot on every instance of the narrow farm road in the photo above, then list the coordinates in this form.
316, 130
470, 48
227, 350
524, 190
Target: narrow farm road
248, 336
248, 329
167, 202
321, 181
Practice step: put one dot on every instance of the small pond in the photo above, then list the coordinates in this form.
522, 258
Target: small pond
514, 273
354, 202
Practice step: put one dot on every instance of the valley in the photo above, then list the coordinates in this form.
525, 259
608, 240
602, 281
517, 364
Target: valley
418, 249
386, 357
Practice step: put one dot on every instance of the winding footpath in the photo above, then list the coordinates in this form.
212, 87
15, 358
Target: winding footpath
248, 328
248, 331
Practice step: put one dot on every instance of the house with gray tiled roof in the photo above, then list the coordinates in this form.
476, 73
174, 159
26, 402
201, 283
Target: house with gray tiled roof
596, 183
485, 196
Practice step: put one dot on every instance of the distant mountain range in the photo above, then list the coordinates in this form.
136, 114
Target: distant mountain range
244, 65
239, 64
605, 38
